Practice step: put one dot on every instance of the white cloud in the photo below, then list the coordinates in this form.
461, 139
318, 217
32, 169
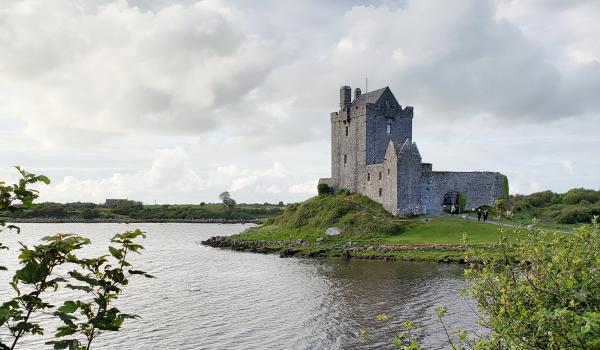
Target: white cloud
268, 189
236, 94
568, 164
308, 188
170, 173
534, 186
78, 76
248, 177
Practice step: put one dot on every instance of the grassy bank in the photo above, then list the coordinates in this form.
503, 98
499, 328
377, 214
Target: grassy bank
367, 231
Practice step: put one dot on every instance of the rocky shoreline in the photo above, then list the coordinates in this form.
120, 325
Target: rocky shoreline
128, 221
348, 250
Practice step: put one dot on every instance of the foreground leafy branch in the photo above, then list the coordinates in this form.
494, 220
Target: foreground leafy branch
95, 277
104, 283
36, 276
549, 299
539, 290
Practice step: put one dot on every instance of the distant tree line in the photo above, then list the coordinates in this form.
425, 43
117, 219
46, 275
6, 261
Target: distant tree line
228, 209
578, 205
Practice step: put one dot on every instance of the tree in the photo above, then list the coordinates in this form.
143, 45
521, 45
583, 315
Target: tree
90, 214
97, 278
227, 201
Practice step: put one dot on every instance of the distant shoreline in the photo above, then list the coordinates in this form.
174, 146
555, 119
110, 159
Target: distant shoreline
129, 221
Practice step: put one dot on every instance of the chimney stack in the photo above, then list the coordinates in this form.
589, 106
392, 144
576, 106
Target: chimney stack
345, 97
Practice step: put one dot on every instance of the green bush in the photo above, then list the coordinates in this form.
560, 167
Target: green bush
505, 187
343, 192
541, 292
323, 189
576, 214
462, 202
576, 195
539, 199
551, 300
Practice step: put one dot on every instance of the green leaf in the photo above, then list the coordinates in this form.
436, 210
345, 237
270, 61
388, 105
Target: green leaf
64, 331
139, 272
83, 288
66, 318
32, 273
71, 344
115, 252
42, 178
87, 279
68, 307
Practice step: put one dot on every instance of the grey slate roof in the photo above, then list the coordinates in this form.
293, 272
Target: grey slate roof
369, 97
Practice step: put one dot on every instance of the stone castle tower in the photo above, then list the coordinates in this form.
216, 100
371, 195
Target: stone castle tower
373, 153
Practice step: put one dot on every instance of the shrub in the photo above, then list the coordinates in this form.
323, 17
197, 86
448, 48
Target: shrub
540, 292
576, 214
504, 187
576, 195
462, 202
541, 303
323, 189
539, 199
343, 192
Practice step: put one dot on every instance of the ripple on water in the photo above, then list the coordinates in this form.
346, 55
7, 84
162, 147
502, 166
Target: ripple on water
205, 298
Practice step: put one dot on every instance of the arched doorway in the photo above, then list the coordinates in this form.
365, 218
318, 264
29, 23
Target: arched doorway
451, 202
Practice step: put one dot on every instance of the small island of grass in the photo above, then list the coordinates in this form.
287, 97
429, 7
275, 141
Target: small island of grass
360, 228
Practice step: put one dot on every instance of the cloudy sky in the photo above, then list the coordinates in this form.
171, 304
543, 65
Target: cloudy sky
175, 101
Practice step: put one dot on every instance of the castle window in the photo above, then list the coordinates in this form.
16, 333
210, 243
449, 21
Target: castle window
380, 192
346, 131
368, 176
388, 171
380, 177
345, 159
388, 128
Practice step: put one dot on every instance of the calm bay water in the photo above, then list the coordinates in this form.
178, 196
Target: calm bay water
205, 298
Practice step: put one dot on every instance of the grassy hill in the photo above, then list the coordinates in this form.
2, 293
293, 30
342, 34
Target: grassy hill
368, 231
357, 216
366, 221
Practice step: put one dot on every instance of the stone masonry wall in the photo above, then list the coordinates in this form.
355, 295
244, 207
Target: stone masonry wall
479, 188
360, 145
347, 175
386, 181
409, 180
377, 139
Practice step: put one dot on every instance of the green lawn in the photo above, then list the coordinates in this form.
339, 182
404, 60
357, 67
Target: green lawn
448, 230
439, 230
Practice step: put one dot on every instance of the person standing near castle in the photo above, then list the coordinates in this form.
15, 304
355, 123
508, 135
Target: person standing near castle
479, 214
485, 215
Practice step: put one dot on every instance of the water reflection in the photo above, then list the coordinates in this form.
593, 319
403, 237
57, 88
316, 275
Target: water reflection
205, 298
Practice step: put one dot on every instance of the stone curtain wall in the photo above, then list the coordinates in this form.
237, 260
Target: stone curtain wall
480, 188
